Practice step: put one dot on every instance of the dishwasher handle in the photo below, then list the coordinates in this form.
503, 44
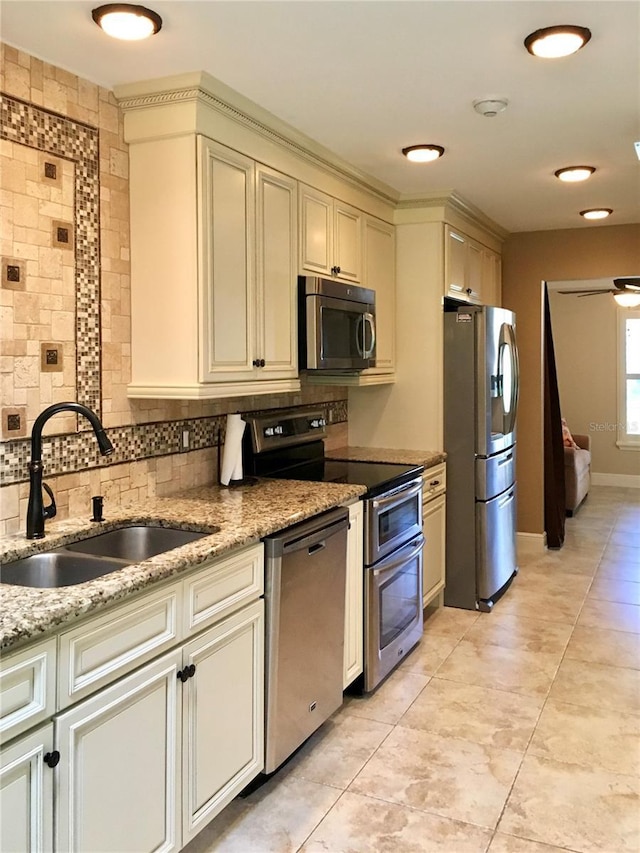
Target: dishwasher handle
311, 536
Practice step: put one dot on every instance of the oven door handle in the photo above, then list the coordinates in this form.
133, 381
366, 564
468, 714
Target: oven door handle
408, 490
416, 546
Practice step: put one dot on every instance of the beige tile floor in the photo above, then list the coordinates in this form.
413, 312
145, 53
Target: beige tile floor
511, 732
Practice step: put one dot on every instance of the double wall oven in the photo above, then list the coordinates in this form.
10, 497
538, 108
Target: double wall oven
290, 445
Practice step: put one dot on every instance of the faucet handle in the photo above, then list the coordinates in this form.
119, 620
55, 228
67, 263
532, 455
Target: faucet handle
51, 510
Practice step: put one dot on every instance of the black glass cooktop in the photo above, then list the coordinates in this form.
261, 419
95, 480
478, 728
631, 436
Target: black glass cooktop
378, 477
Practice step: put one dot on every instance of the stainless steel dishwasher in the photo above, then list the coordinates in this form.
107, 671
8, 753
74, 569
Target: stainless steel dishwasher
305, 600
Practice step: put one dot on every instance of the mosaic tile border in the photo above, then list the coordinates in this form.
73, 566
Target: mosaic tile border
67, 454
43, 130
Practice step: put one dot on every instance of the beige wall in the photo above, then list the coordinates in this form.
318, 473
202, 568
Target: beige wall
586, 344
528, 259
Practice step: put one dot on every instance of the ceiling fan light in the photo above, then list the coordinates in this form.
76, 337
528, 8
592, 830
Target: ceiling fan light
423, 153
596, 213
573, 174
127, 21
554, 42
627, 300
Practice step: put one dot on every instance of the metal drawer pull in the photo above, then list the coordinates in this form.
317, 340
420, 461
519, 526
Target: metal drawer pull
505, 460
434, 483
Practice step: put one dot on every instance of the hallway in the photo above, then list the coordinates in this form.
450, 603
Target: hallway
511, 732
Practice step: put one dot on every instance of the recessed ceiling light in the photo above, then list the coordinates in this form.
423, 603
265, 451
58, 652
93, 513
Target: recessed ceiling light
423, 153
571, 174
596, 213
127, 21
553, 42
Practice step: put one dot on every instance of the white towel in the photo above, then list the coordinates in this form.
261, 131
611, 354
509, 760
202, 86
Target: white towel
232, 453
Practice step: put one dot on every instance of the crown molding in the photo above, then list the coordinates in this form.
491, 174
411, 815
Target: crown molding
453, 202
204, 91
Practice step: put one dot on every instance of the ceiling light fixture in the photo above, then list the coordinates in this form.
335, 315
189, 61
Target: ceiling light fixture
627, 300
126, 21
554, 42
636, 145
596, 213
423, 153
572, 174
490, 107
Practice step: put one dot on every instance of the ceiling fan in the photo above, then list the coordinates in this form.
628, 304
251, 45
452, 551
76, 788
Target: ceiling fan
626, 291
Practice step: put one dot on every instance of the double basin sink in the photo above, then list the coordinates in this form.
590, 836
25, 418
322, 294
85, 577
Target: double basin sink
100, 555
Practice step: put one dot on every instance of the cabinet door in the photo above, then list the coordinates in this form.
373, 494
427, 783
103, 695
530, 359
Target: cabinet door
276, 266
223, 712
27, 688
491, 278
433, 526
475, 262
26, 794
227, 216
347, 254
316, 231
455, 264
354, 604
380, 275
119, 769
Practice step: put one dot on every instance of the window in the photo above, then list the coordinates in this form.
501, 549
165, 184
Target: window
629, 379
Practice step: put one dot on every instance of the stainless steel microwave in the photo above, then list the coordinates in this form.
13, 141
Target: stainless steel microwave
336, 324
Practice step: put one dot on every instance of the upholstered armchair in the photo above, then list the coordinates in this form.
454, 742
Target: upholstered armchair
577, 472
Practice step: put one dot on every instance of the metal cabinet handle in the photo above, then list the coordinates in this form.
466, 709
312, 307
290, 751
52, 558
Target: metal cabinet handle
335, 270
434, 483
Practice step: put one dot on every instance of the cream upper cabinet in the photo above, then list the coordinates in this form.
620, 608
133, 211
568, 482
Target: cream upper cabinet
213, 272
330, 236
276, 254
380, 275
472, 271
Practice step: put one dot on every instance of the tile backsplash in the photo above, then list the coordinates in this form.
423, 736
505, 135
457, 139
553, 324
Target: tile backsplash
65, 308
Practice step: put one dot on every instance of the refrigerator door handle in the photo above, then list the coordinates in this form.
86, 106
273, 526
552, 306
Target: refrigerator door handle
506, 499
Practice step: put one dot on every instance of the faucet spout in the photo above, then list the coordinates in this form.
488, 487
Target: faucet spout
36, 511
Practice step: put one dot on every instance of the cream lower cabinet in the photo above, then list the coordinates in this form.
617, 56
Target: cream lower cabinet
141, 762
26, 793
118, 777
222, 721
434, 529
354, 603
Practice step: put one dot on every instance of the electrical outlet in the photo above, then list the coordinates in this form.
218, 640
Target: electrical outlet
185, 439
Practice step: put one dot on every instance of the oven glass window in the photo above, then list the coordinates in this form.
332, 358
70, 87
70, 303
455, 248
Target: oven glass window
399, 521
341, 333
399, 602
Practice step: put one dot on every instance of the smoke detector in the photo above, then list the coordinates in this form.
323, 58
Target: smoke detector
491, 106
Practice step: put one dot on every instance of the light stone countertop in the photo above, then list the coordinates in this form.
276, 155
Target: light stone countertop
243, 515
428, 458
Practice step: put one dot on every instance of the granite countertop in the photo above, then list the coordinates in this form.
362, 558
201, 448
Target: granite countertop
243, 515
428, 458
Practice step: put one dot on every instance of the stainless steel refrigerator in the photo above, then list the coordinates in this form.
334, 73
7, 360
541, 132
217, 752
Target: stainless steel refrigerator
480, 403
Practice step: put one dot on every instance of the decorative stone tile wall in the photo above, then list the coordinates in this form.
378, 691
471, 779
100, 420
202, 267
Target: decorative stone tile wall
65, 303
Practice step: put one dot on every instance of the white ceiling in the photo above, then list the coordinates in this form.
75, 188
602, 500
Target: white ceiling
367, 78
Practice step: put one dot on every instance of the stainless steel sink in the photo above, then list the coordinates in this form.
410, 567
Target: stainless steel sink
57, 568
136, 543
91, 558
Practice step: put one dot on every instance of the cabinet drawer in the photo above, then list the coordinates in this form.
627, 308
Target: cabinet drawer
434, 482
27, 688
223, 586
102, 649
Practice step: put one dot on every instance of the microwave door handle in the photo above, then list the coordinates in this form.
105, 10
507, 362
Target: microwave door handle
370, 320
360, 326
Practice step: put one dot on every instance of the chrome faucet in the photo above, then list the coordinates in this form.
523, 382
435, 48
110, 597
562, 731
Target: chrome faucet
36, 511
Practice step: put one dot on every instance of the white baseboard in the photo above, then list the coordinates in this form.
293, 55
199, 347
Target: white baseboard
531, 541
627, 481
